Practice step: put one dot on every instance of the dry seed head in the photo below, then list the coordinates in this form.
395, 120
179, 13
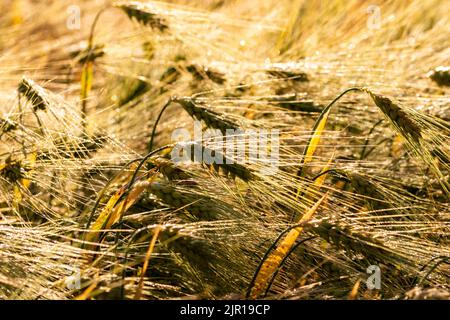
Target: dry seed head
294, 102
234, 170
11, 170
227, 167
194, 250
202, 73
80, 52
441, 155
418, 293
34, 93
86, 148
137, 11
86, 55
357, 242
198, 205
74, 149
170, 75
440, 75
7, 125
169, 169
210, 118
397, 115
365, 187
362, 184
292, 75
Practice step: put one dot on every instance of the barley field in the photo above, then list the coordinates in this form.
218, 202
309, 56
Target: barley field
224, 149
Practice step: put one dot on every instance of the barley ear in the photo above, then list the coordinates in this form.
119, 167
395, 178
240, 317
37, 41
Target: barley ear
142, 15
440, 75
34, 94
211, 118
397, 115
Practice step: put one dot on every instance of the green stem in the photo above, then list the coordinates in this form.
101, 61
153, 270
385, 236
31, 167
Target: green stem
150, 144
